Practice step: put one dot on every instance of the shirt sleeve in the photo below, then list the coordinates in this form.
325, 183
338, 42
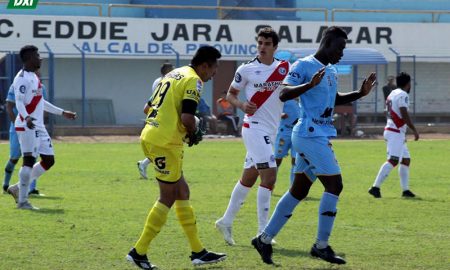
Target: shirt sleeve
11, 97
240, 80
21, 88
403, 101
48, 107
296, 74
192, 89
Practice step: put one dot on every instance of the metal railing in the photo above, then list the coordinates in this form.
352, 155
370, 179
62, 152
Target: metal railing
219, 9
98, 6
433, 13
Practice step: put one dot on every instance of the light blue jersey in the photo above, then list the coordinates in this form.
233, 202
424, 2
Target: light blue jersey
292, 109
283, 140
317, 103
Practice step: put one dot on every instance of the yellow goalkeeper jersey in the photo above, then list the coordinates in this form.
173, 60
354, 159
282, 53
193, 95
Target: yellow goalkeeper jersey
163, 125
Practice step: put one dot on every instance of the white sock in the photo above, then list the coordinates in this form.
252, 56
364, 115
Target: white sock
263, 206
385, 169
37, 171
24, 183
237, 199
145, 162
403, 171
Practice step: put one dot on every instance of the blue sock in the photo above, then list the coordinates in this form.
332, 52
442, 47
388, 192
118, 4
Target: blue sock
9, 169
327, 214
283, 211
33, 185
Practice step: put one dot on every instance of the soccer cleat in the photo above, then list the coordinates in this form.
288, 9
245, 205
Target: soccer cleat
206, 257
140, 261
142, 170
375, 191
408, 194
226, 232
5, 189
326, 254
14, 191
265, 250
26, 206
36, 193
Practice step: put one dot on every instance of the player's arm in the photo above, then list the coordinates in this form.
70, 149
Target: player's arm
290, 91
50, 108
188, 109
405, 116
10, 110
233, 97
367, 85
20, 89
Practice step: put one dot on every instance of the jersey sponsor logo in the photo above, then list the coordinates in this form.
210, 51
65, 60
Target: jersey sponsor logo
238, 77
193, 94
22, 89
294, 74
267, 86
160, 162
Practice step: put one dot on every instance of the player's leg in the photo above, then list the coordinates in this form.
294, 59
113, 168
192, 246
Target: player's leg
186, 217
320, 155
142, 167
403, 172
394, 143
47, 159
14, 156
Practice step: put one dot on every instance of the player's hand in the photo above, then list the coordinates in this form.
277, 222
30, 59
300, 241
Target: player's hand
368, 84
70, 115
416, 135
317, 78
284, 115
249, 107
30, 123
195, 137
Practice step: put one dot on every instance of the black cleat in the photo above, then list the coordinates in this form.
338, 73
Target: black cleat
34, 192
265, 250
326, 254
140, 261
375, 191
206, 257
408, 194
5, 189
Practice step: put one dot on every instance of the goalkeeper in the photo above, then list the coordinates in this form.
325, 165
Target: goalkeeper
170, 122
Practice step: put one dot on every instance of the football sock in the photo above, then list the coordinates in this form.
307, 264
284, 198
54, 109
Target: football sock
33, 185
24, 182
403, 171
283, 211
263, 206
385, 169
37, 171
9, 169
155, 220
327, 214
292, 175
237, 199
186, 217
145, 162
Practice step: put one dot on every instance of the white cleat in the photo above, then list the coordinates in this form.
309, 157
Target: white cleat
14, 191
142, 170
26, 206
226, 232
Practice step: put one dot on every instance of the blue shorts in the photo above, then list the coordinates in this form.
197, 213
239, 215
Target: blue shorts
14, 146
314, 157
283, 143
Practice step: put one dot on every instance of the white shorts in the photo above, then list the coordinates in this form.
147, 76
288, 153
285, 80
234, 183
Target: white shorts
396, 145
259, 147
35, 141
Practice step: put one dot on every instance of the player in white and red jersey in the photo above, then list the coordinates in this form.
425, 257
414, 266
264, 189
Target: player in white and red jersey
394, 133
29, 125
259, 78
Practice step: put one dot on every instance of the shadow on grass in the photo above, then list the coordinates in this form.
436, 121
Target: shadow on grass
52, 198
49, 211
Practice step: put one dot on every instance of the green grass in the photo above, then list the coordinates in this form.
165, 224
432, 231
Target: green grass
96, 206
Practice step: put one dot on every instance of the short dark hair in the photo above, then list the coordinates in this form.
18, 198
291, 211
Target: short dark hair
166, 68
268, 32
403, 79
206, 54
333, 32
26, 51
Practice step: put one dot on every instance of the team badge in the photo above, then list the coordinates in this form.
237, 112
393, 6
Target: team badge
282, 71
237, 77
22, 89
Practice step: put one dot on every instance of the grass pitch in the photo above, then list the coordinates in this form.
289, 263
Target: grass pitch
96, 207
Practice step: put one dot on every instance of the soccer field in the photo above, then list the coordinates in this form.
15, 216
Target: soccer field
96, 206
